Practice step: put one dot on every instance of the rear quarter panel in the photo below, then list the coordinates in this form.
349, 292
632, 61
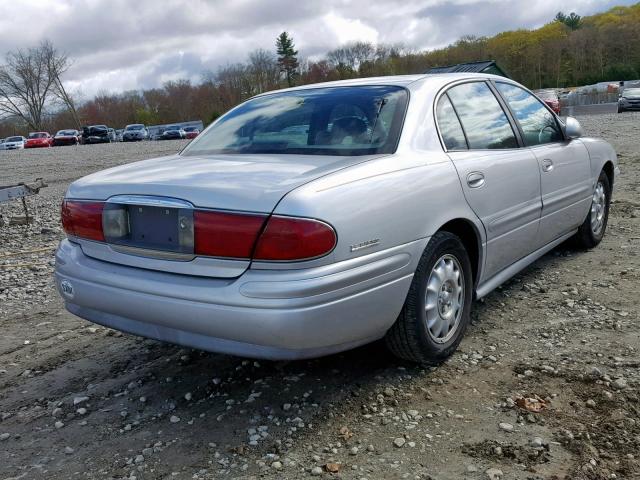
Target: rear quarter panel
395, 199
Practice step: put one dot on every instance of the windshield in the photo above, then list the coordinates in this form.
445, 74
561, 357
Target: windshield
190, 129
66, 133
172, 127
632, 92
134, 127
14, 139
37, 135
321, 121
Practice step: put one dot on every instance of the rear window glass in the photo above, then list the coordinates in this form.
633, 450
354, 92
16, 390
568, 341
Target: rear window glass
484, 121
320, 121
449, 125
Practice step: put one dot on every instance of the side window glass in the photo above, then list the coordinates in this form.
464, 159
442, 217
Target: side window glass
538, 125
484, 121
449, 125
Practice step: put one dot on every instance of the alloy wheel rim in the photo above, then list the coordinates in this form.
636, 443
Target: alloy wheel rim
598, 208
444, 298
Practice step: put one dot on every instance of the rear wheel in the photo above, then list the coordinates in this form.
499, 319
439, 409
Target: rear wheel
592, 229
437, 309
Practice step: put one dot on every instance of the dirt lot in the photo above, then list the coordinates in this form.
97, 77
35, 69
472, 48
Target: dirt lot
544, 386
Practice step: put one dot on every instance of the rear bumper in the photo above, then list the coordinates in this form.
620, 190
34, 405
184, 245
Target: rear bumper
274, 314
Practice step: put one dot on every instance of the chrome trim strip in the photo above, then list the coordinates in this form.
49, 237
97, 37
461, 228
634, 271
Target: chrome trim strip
158, 254
150, 201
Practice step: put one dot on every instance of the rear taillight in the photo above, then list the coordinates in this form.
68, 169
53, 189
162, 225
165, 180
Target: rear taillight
290, 238
215, 234
83, 219
220, 234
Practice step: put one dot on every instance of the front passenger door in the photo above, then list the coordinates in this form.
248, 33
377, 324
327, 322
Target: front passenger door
565, 170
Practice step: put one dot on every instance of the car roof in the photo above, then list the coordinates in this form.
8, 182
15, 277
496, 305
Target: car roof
436, 79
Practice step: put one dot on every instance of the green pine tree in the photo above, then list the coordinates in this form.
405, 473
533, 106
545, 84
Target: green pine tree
287, 57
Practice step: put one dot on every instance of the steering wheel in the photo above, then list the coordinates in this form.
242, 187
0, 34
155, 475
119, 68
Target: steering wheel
541, 133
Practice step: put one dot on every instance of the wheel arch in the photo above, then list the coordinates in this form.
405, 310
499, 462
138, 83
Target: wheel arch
609, 169
468, 233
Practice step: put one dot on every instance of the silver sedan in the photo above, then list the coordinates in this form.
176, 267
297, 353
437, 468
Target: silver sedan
312, 220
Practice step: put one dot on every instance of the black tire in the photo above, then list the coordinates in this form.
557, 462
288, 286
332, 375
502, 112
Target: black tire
586, 237
409, 338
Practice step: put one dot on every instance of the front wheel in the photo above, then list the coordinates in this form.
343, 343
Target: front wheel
437, 309
592, 229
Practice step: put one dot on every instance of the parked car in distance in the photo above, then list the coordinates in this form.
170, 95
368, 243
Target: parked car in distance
173, 132
14, 143
66, 137
119, 132
311, 220
95, 134
135, 132
38, 140
2, 144
550, 97
112, 134
191, 132
629, 99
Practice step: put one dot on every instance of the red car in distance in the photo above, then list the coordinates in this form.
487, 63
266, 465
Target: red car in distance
550, 97
66, 137
191, 132
38, 140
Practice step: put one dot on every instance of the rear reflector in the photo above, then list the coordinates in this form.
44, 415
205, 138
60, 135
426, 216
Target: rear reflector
83, 219
220, 234
289, 238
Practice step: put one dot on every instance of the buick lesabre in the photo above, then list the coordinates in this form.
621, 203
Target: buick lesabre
315, 219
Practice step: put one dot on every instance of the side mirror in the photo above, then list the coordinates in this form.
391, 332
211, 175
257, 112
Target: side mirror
572, 128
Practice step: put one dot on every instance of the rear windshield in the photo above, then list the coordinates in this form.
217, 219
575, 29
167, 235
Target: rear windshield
134, 127
321, 121
37, 135
66, 133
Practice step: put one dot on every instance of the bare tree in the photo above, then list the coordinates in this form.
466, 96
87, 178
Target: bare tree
25, 84
57, 64
264, 70
30, 80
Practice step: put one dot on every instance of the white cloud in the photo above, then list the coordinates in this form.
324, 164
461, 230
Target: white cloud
118, 45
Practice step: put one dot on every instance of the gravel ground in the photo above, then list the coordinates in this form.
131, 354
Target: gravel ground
544, 385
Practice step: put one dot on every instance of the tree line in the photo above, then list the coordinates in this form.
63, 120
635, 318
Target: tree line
568, 51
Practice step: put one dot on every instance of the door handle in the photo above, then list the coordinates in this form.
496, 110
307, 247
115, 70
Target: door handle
547, 165
475, 179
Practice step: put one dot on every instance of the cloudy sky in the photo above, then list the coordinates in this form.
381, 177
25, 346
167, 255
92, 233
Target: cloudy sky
118, 45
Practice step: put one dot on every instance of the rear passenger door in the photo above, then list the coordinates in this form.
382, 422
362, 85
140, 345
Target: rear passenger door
565, 169
501, 181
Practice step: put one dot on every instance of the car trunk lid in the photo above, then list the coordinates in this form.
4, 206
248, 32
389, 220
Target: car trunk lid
158, 194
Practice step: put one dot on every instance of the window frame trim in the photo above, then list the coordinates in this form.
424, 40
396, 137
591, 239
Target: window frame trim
518, 125
487, 81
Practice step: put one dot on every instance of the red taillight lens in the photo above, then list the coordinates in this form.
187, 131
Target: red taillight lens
288, 238
225, 234
83, 219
